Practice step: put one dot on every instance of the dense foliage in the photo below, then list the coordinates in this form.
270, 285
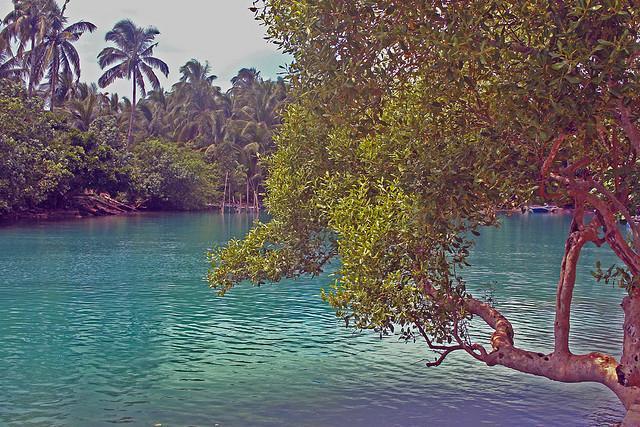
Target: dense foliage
413, 122
209, 143
31, 167
169, 176
96, 159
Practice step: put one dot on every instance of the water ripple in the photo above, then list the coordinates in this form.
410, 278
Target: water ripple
108, 321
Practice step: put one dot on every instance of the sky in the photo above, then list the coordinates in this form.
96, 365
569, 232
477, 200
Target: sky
222, 32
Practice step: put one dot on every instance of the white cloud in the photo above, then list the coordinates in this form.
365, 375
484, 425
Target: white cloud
220, 31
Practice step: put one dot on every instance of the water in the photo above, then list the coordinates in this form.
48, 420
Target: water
109, 320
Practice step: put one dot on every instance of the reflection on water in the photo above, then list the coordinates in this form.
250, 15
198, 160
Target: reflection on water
109, 320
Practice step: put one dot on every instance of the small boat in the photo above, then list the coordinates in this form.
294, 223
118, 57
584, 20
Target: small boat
542, 208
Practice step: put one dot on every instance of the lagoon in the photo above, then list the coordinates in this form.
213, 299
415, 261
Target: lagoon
109, 320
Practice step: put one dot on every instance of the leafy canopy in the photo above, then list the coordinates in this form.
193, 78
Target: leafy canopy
170, 176
413, 122
30, 165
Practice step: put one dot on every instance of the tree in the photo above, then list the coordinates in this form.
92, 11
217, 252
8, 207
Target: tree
155, 111
199, 108
56, 53
413, 122
31, 167
246, 77
256, 113
195, 72
27, 24
169, 176
135, 61
84, 111
10, 67
96, 159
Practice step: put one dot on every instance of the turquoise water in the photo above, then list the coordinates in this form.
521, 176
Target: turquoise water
109, 320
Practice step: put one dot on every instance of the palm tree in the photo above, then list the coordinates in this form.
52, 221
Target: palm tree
27, 24
84, 111
256, 108
135, 61
10, 66
245, 78
199, 109
155, 111
195, 72
56, 53
112, 104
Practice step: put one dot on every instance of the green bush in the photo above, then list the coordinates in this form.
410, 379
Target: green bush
169, 176
31, 167
97, 158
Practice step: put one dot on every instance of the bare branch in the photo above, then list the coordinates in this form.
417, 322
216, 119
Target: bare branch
444, 355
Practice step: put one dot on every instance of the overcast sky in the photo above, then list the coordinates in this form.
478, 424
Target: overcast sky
220, 31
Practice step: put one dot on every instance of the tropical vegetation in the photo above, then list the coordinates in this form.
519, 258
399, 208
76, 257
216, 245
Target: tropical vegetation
135, 61
188, 147
412, 123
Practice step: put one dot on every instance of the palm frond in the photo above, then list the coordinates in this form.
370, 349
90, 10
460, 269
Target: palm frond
81, 27
157, 63
119, 71
151, 76
71, 54
109, 55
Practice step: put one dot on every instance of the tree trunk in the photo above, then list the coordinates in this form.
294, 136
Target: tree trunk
133, 110
569, 368
567, 281
54, 81
622, 378
30, 85
628, 370
224, 192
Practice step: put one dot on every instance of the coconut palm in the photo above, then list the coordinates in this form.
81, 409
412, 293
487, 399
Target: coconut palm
10, 66
196, 88
84, 111
133, 56
112, 104
56, 53
27, 25
66, 88
256, 108
199, 109
155, 112
195, 72
245, 78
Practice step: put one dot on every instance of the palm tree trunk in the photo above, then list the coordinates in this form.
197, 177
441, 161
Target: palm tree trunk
30, 84
54, 81
133, 110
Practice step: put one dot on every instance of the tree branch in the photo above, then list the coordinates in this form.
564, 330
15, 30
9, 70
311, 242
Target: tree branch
546, 166
444, 355
564, 296
583, 189
630, 130
570, 368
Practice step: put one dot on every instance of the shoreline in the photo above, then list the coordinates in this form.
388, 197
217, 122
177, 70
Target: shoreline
60, 215
55, 215
76, 214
